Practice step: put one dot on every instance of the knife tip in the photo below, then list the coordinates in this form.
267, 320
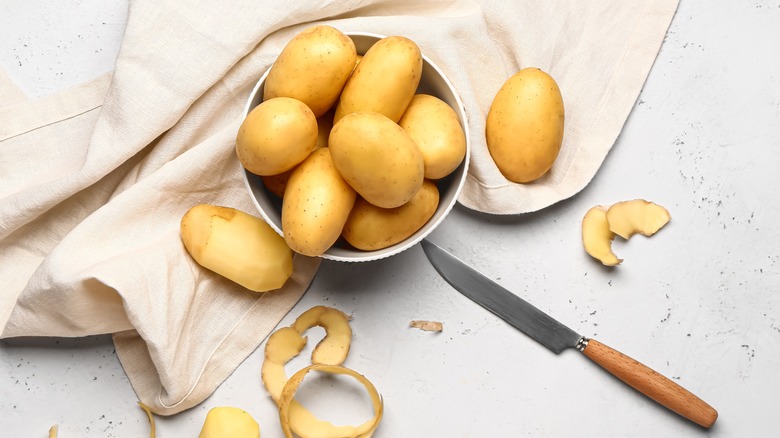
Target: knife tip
426, 245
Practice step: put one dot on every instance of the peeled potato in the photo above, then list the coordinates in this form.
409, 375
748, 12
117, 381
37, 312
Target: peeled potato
237, 246
228, 422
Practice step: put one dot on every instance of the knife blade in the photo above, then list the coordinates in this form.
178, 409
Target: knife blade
557, 337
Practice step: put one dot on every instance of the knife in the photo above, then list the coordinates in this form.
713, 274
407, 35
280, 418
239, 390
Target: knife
557, 337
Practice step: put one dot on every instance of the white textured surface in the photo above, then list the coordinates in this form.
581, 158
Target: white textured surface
698, 302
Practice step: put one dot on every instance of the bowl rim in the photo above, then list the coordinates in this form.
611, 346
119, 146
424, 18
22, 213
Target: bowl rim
440, 213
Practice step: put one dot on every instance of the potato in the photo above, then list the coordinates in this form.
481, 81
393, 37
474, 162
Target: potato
313, 68
277, 183
377, 158
384, 81
226, 421
524, 127
370, 227
324, 125
436, 129
276, 135
237, 246
316, 204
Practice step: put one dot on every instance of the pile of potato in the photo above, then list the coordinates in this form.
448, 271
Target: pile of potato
348, 144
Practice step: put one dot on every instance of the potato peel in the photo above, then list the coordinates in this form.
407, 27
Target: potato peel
334, 347
283, 345
597, 237
329, 354
149, 414
627, 218
316, 428
429, 326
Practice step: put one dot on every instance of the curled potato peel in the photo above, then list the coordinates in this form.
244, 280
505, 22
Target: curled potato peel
625, 218
597, 237
334, 347
318, 427
150, 415
285, 344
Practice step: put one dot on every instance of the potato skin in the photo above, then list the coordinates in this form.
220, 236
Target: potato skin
275, 136
384, 81
371, 228
313, 68
436, 129
316, 204
377, 158
524, 127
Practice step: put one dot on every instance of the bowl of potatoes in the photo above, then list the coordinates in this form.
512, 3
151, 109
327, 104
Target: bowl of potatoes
354, 146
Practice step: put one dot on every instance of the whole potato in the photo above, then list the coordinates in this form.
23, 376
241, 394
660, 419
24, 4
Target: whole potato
524, 127
370, 227
377, 158
313, 68
277, 183
384, 81
316, 204
436, 129
324, 125
276, 135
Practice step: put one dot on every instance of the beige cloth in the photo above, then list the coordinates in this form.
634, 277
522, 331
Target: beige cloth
94, 180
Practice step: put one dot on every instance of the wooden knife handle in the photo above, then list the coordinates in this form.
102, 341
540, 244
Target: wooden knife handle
650, 383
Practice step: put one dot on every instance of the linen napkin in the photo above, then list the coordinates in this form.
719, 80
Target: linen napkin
94, 179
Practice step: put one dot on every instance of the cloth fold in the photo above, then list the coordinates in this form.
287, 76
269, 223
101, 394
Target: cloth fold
94, 179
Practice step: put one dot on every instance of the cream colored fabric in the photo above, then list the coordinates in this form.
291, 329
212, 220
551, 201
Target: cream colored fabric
94, 180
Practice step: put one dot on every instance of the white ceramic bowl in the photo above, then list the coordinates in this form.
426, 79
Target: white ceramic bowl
432, 81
